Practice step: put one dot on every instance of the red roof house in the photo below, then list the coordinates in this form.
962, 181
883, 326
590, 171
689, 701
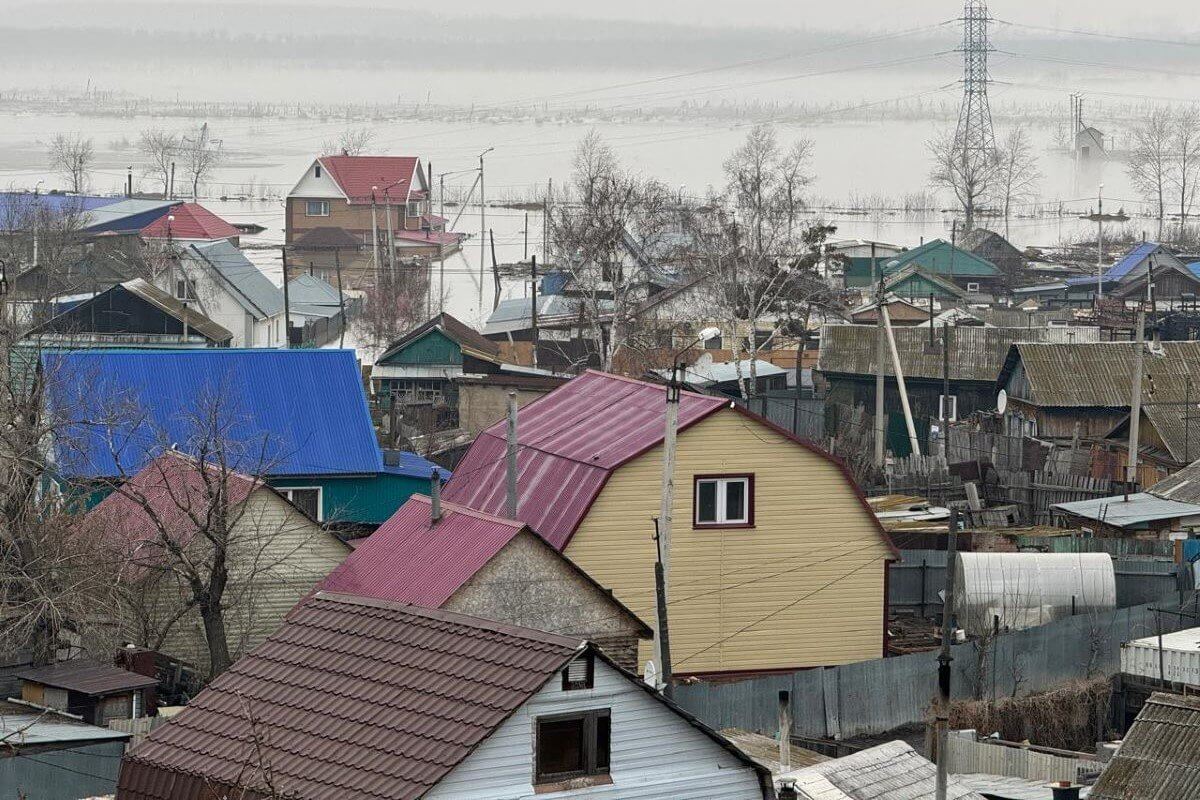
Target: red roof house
190, 222
362, 178
487, 566
751, 500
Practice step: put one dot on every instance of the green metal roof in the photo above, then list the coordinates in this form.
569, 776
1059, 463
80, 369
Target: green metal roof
943, 258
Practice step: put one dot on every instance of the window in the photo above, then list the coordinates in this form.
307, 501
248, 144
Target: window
713, 343
572, 746
316, 208
305, 498
580, 673
948, 407
317, 171
724, 501
972, 287
185, 289
414, 208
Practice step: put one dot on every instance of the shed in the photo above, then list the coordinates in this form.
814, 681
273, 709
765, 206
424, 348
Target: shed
890, 771
55, 756
1029, 589
95, 691
993, 247
1134, 512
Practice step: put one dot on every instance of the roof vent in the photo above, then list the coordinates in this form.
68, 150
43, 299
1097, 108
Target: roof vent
391, 458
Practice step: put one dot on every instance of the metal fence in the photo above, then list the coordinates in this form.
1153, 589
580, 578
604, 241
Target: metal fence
874, 697
803, 416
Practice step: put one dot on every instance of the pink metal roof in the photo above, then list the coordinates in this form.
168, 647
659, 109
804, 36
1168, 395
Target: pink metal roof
408, 560
357, 175
430, 237
571, 441
191, 221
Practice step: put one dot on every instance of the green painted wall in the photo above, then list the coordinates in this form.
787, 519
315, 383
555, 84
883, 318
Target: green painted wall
434, 347
915, 286
368, 499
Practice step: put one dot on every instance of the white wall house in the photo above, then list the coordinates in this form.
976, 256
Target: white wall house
227, 288
654, 752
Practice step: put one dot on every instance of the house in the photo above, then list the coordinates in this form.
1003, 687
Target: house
1063, 390
1174, 282
1133, 265
490, 567
421, 365
95, 692
1138, 514
861, 259
1168, 440
275, 552
901, 311
483, 399
135, 313
914, 281
750, 500
305, 409
374, 199
190, 222
361, 698
51, 755
994, 248
848, 364
311, 298
218, 279
324, 250
890, 771
978, 277
1159, 758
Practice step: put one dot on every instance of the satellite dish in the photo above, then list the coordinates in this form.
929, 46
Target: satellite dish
1001, 401
650, 675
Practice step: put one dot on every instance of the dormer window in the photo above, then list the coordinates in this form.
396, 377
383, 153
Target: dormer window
580, 673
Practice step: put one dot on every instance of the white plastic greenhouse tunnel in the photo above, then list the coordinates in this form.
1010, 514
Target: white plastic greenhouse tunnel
1023, 590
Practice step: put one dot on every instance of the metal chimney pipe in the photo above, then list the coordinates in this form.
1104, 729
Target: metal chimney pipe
435, 497
1063, 790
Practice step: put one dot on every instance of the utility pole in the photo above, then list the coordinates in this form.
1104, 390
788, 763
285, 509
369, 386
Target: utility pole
663, 526
287, 312
1135, 401
974, 134
533, 278
374, 235
899, 372
391, 234
171, 191
944, 406
510, 456
337, 264
1100, 243
482, 226
526, 235
546, 220
942, 719
880, 357
662, 639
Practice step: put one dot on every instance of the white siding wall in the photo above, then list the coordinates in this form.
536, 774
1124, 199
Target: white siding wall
656, 755
216, 302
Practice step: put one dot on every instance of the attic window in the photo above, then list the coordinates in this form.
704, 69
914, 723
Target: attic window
723, 501
317, 171
972, 287
570, 746
580, 673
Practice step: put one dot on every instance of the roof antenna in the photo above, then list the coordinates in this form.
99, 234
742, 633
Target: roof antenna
435, 497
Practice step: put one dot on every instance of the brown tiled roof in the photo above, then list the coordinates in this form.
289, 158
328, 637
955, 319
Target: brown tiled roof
88, 677
351, 698
1159, 759
328, 238
467, 338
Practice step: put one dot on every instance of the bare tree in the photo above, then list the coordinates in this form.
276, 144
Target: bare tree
1150, 157
160, 149
394, 303
350, 142
70, 156
967, 172
1185, 161
795, 177
599, 232
202, 154
1017, 172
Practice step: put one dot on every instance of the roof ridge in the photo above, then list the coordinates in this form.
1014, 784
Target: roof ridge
459, 508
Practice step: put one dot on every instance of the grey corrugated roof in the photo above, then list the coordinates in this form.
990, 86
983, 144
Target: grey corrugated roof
175, 307
312, 297
1183, 486
891, 771
1100, 374
706, 374
977, 353
37, 728
1140, 507
514, 314
1159, 759
1004, 787
253, 290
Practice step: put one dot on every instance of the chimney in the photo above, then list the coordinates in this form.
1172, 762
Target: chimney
435, 497
1065, 790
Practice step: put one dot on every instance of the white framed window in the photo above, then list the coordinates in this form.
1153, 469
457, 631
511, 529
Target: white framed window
972, 287
185, 289
414, 208
306, 498
316, 208
948, 407
723, 501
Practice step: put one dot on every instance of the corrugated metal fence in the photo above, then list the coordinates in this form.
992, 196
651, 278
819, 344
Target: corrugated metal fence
803, 416
873, 697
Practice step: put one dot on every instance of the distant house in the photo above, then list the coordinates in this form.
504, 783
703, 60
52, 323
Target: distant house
901, 311
978, 277
914, 281
994, 248
862, 259
94, 691
375, 199
357, 698
1160, 754
1129, 268
1174, 282
276, 552
977, 353
304, 410
135, 313
311, 298
1063, 390
325, 250
483, 399
218, 279
749, 498
725, 377
489, 567
1139, 514
53, 755
190, 222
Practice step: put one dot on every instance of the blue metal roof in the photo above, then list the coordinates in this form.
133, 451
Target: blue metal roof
15, 205
1134, 257
412, 465
290, 412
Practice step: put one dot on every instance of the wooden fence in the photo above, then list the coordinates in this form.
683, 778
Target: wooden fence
1035, 492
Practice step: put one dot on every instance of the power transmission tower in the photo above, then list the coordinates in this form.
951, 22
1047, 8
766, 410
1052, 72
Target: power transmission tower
975, 135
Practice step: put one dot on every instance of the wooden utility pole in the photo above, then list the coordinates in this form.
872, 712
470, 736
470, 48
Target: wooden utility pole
663, 526
337, 264
880, 357
533, 277
944, 406
510, 458
1135, 400
287, 311
482, 226
374, 236
942, 719
662, 638
495, 270
899, 372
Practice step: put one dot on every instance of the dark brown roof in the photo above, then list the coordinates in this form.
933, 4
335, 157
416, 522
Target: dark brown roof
351, 698
1159, 759
467, 338
328, 238
87, 677
515, 380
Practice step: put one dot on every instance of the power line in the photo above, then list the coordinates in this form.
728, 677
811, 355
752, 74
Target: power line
1099, 35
